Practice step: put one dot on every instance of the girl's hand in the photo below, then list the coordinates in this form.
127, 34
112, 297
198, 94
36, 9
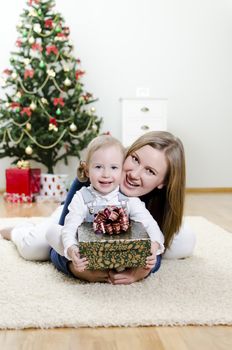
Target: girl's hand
79, 263
151, 260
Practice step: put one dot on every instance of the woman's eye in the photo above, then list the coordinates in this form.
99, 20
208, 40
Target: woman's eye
98, 166
114, 167
135, 159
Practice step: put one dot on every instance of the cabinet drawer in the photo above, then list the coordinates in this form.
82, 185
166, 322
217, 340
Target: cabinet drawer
140, 116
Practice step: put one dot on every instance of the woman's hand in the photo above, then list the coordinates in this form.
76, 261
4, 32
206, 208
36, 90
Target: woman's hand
151, 260
79, 263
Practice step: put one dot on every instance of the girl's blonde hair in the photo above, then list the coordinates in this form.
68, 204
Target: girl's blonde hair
97, 143
166, 205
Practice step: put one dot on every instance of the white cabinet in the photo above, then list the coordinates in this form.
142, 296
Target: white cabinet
140, 115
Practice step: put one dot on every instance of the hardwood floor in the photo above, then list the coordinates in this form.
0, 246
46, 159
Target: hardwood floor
216, 207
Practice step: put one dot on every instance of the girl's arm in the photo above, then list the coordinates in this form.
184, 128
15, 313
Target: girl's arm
76, 186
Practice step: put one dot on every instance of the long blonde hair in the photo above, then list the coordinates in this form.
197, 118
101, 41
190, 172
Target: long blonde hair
98, 142
166, 205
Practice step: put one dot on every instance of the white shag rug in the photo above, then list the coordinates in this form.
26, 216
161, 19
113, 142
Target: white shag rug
194, 291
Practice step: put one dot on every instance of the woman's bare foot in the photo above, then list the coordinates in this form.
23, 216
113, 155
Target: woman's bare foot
6, 233
90, 275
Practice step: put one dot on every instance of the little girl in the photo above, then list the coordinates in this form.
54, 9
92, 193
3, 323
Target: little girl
103, 167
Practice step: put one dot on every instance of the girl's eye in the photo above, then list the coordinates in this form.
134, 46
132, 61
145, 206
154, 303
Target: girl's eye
134, 159
98, 166
114, 167
150, 172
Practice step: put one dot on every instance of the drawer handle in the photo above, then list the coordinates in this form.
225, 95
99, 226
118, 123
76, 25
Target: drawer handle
144, 109
145, 127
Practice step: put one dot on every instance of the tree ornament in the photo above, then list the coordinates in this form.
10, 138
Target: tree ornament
33, 13
44, 101
58, 29
14, 75
51, 73
67, 82
24, 33
73, 127
58, 111
40, 12
41, 64
18, 95
94, 127
33, 106
26, 61
92, 110
28, 150
37, 28
31, 40
19, 25
28, 126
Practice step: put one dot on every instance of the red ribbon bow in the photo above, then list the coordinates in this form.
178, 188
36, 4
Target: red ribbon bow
58, 101
53, 121
52, 48
28, 73
111, 220
79, 74
37, 46
35, 1
26, 110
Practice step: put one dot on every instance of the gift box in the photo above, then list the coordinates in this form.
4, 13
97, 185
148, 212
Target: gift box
128, 249
22, 184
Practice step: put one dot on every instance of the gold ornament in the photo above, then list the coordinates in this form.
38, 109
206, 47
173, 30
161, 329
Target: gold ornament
51, 73
28, 126
67, 82
94, 127
37, 28
26, 61
28, 150
73, 127
33, 106
14, 75
18, 95
93, 110
31, 40
44, 101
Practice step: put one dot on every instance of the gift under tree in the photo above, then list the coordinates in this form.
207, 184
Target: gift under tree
46, 115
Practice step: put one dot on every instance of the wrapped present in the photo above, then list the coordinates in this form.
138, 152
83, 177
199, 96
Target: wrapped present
22, 184
129, 249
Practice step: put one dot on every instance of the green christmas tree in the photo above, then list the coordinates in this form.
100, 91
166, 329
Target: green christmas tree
45, 115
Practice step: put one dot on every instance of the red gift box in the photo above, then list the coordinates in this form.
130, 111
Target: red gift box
22, 184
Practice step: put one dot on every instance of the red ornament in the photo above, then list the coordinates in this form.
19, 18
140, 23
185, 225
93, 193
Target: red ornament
58, 101
15, 105
79, 74
27, 111
35, 1
37, 46
53, 121
7, 71
52, 48
19, 43
48, 23
29, 73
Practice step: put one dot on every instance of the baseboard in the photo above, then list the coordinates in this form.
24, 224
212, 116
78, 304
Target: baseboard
209, 190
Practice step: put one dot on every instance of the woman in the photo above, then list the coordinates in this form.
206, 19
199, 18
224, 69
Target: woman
154, 170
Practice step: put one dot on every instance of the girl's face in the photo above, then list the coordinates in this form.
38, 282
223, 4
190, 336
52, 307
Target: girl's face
143, 170
105, 169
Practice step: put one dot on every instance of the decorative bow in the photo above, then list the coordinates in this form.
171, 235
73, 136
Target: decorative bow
36, 46
58, 101
111, 220
26, 110
53, 49
29, 73
23, 164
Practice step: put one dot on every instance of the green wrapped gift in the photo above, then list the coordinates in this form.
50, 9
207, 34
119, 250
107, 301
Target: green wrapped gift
127, 249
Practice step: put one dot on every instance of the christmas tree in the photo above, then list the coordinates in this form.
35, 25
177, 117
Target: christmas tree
45, 115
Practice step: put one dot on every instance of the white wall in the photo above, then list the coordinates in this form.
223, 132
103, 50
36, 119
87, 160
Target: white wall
180, 50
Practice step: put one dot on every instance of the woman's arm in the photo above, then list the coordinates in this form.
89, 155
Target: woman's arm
76, 186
